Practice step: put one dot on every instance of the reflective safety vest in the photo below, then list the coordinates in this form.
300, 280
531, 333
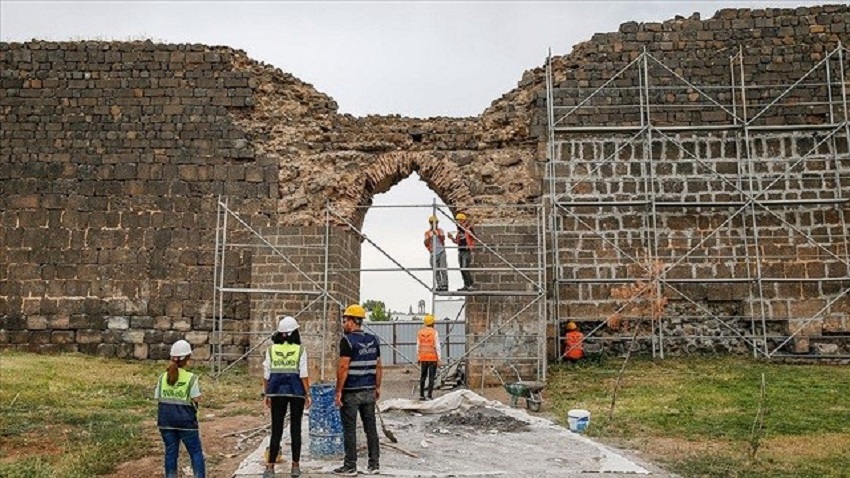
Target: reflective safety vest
285, 379
362, 370
427, 339
176, 409
574, 345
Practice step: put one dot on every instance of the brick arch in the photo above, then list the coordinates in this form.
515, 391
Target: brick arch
439, 172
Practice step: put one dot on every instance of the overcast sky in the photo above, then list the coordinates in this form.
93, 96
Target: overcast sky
417, 59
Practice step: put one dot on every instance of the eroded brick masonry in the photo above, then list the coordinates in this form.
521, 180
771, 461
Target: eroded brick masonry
112, 157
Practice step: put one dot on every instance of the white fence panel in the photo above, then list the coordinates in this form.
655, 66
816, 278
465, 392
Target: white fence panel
398, 340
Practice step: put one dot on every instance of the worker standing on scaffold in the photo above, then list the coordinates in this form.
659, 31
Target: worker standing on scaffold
435, 242
465, 240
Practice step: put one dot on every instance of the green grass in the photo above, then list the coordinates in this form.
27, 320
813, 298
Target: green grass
75, 416
695, 415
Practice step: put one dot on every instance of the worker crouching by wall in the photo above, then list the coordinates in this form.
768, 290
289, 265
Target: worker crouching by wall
573, 343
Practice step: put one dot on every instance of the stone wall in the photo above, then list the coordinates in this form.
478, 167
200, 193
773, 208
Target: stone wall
112, 156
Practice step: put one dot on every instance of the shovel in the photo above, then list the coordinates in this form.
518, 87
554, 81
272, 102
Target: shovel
387, 432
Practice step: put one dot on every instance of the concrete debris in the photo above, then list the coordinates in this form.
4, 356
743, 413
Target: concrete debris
483, 419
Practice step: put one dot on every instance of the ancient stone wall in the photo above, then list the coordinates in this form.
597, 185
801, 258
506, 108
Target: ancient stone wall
112, 156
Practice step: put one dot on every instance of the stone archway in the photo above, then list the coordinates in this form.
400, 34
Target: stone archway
442, 176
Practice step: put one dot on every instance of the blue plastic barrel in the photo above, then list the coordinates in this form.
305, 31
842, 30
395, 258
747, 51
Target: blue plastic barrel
325, 422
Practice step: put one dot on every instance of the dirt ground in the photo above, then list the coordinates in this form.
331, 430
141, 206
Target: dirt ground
225, 449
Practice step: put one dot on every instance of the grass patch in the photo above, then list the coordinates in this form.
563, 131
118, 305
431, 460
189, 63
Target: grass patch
695, 415
78, 416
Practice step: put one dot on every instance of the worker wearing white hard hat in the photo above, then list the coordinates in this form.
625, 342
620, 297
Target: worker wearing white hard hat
177, 394
286, 384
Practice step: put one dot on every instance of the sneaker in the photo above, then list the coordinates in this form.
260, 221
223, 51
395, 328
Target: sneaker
374, 470
296, 470
422, 399
346, 471
469, 288
462, 289
268, 473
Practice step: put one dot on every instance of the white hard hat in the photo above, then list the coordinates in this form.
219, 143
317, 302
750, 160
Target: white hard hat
181, 349
287, 325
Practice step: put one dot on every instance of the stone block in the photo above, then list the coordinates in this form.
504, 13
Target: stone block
153, 336
124, 351
13, 322
159, 352
182, 325
197, 338
201, 353
106, 350
826, 349
59, 322
87, 322
118, 323
89, 336
37, 322
62, 337
134, 337
19, 336
140, 351
40, 337
141, 322
162, 323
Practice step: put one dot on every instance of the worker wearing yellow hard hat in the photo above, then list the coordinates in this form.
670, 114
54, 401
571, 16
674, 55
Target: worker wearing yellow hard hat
358, 388
435, 242
429, 356
465, 240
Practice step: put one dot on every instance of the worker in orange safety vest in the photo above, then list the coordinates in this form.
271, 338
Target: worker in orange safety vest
573, 343
428, 355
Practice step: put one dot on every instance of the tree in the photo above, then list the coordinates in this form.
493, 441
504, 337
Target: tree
378, 311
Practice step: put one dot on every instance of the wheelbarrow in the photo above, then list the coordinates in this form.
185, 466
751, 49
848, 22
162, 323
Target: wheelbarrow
527, 389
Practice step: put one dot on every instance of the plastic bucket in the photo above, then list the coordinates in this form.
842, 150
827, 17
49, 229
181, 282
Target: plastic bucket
578, 420
325, 423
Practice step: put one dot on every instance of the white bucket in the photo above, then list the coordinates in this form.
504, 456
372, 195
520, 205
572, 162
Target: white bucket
578, 420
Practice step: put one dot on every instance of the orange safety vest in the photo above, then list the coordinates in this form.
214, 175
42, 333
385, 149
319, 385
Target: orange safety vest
427, 339
441, 238
574, 345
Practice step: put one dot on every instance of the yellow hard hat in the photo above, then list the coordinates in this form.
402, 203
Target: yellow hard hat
460, 216
429, 319
571, 325
433, 219
355, 310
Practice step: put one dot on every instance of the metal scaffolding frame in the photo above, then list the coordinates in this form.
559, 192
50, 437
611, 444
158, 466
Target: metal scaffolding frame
750, 192
220, 361
223, 213
536, 296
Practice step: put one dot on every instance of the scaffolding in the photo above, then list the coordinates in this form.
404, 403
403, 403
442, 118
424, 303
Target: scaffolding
657, 181
530, 294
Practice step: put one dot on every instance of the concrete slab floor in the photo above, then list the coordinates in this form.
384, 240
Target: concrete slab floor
477, 442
